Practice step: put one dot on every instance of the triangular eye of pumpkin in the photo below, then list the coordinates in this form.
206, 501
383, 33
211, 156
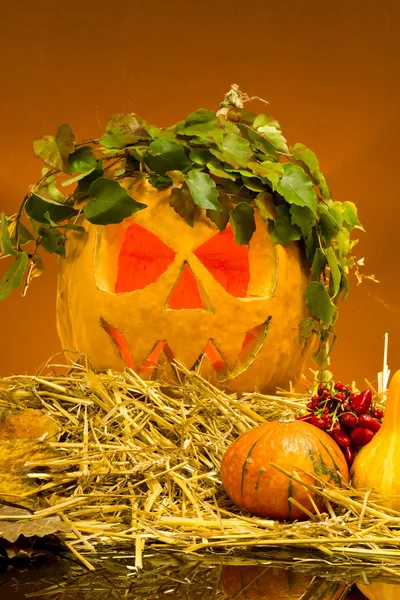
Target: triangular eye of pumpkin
142, 259
227, 262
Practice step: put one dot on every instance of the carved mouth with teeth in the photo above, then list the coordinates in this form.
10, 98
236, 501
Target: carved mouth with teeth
253, 343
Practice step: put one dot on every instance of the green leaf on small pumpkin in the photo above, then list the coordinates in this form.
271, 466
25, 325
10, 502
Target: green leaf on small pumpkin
335, 275
110, 203
6, 246
328, 224
235, 151
37, 207
243, 223
182, 202
281, 229
123, 130
319, 303
296, 187
203, 189
13, 277
268, 169
165, 155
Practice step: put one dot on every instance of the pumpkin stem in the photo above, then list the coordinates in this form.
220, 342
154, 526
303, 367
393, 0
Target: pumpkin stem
287, 417
236, 98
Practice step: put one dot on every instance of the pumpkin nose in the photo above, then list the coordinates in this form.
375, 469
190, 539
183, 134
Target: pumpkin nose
187, 292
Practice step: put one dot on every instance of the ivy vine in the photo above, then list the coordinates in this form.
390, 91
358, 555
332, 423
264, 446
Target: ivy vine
226, 163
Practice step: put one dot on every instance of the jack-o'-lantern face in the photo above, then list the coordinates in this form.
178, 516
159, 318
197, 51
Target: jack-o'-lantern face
152, 289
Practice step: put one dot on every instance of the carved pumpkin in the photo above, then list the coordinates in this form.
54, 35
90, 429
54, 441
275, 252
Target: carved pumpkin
252, 482
152, 289
267, 583
377, 465
380, 591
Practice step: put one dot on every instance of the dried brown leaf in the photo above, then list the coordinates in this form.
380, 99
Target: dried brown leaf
28, 424
12, 530
14, 483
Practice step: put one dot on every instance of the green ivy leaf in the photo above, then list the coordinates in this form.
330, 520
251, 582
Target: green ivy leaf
281, 229
123, 130
203, 189
304, 218
310, 248
335, 275
204, 124
110, 203
24, 235
54, 151
13, 277
216, 168
82, 160
52, 240
160, 182
265, 204
200, 156
295, 186
318, 264
243, 223
350, 215
319, 303
253, 184
166, 155
307, 327
82, 189
220, 218
328, 224
309, 159
182, 202
37, 207
271, 130
268, 169
6, 246
235, 151
262, 146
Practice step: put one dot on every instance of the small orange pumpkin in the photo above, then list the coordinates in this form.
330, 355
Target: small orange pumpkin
256, 582
252, 482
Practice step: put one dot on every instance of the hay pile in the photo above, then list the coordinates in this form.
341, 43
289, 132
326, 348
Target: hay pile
138, 464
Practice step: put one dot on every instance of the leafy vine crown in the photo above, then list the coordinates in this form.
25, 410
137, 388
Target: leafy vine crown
227, 163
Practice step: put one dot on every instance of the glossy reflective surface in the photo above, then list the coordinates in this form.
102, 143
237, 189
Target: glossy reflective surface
175, 576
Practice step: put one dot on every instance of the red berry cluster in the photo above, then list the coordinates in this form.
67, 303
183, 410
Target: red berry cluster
350, 418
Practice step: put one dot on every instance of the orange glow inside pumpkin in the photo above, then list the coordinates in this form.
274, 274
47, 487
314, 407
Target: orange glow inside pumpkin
186, 293
227, 262
119, 343
142, 259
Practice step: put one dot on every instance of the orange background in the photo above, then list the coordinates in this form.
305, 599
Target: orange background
329, 70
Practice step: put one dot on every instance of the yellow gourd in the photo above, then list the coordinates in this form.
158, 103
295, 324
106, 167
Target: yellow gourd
380, 591
377, 465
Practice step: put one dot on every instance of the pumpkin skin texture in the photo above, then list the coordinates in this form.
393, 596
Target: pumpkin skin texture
257, 582
377, 465
380, 591
189, 293
253, 483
